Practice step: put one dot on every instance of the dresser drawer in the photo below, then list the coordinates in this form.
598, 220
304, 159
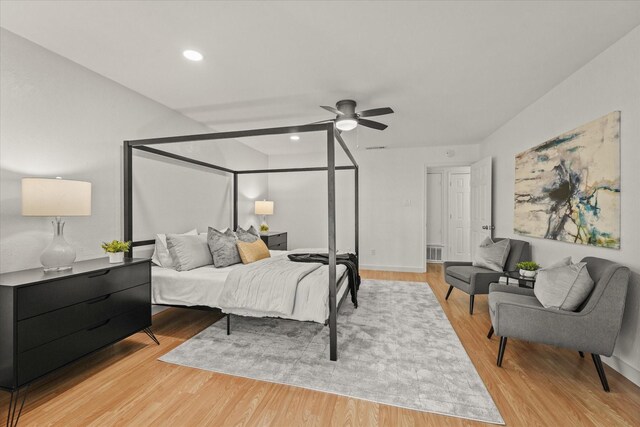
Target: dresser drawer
45, 358
279, 247
277, 239
35, 300
50, 326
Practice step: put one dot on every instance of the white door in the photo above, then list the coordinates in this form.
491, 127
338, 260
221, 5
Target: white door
459, 217
481, 225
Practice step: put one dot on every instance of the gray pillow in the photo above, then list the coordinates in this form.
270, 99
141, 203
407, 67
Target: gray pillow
564, 287
492, 255
188, 252
249, 236
223, 247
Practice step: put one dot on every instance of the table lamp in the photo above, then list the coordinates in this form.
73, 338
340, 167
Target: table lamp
57, 198
264, 207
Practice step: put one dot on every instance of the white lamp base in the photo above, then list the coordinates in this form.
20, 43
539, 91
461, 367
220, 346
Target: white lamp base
59, 255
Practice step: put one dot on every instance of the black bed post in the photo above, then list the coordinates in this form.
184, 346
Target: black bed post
357, 213
333, 311
128, 194
235, 201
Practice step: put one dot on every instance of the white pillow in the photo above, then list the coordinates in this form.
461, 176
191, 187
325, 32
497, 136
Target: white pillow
564, 287
188, 251
492, 255
161, 256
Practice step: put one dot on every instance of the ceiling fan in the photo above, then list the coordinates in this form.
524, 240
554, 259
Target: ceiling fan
347, 118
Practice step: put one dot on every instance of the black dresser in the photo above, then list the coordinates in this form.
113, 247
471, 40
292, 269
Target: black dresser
275, 240
48, 320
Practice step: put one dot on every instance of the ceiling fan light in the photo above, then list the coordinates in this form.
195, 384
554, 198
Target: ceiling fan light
346, 124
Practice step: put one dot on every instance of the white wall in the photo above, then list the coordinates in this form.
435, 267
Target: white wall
609, 82
301, 203
60, 119
392, 203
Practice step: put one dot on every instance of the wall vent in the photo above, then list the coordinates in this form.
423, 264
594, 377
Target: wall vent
434, 253
376, 147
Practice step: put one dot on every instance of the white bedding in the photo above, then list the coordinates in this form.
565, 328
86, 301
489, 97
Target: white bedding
203, 286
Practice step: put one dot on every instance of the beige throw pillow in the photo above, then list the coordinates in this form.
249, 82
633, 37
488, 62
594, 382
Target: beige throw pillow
253, 251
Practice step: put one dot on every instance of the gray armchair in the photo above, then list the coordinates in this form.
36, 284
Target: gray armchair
594, 327
476, 280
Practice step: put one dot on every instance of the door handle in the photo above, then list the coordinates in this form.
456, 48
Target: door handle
484, 227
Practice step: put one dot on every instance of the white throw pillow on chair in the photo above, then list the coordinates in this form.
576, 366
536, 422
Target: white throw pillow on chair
492, 255
563, 286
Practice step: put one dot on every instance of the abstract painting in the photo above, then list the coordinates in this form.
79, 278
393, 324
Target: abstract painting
568, 188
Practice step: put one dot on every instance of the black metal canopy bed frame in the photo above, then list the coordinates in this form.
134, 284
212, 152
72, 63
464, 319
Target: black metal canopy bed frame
332, 135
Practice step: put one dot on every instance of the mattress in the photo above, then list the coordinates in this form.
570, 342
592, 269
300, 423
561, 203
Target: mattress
203, 286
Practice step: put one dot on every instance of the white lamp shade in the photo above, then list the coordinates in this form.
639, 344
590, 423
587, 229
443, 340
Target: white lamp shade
55, 197
264, 207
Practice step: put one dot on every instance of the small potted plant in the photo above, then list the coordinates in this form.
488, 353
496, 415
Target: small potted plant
116, 249
528, 268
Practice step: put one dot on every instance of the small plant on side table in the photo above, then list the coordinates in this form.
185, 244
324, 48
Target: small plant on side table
528, 268
116, 250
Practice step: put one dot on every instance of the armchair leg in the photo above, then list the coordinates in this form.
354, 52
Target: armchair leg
581, 354
503, 345
471, 297
490, 334
600, 369
448, 292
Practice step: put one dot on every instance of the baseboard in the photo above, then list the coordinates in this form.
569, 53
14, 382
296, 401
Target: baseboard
155, 309
394, 268
626, 370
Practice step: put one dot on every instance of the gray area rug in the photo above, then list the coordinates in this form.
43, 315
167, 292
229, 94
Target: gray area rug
397, 348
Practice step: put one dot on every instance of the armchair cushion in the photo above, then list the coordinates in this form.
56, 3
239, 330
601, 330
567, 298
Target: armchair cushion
464, 272
511, 289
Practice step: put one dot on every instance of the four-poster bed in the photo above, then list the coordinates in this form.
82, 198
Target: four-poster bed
332, 135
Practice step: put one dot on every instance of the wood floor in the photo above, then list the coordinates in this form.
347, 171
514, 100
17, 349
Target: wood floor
125, 384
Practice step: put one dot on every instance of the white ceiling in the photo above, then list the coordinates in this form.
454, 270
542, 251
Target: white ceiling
453, 71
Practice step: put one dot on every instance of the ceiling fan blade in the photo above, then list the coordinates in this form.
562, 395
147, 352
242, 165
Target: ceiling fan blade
372, 124
333, 110
322, 121
375, 112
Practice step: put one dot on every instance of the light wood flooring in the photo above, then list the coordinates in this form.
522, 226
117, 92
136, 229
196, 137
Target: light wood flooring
125, 384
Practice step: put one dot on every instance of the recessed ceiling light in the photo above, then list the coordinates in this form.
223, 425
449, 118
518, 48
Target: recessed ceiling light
192, 55
294, 137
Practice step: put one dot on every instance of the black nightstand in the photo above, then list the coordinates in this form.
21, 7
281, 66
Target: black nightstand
48, 320
275, 240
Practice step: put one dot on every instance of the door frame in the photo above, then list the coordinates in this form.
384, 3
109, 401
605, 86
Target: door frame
436, 165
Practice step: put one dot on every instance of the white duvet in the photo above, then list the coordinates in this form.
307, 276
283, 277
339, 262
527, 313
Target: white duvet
203, 287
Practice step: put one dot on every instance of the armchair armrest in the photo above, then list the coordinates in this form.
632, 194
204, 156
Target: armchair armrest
480, 281
447, 264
